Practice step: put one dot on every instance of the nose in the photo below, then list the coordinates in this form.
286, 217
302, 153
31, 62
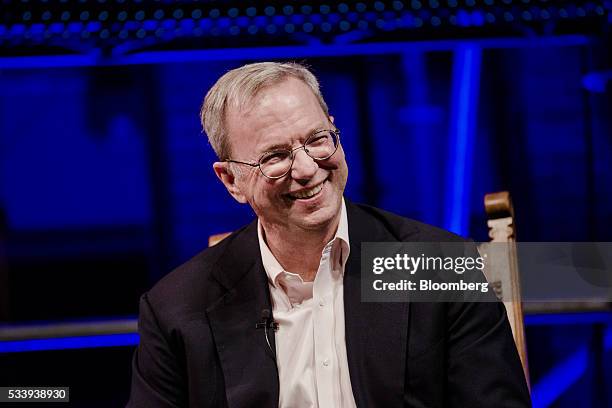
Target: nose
304, 167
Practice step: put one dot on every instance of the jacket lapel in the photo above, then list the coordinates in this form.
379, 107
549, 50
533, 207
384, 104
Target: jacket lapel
376, 333
248, 364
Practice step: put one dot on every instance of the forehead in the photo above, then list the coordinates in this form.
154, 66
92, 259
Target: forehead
288, 109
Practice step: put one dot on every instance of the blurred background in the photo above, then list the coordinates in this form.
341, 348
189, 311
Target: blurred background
106, 181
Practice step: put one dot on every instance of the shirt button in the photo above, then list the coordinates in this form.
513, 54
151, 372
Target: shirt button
326, 362
321, 303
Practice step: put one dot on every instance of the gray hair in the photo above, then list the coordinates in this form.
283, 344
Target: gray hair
240, 86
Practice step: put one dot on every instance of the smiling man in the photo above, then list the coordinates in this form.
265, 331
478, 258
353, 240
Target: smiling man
272, 315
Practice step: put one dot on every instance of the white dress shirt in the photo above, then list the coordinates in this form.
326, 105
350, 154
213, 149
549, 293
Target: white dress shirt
310, 347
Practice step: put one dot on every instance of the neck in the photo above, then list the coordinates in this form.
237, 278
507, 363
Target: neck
298, 250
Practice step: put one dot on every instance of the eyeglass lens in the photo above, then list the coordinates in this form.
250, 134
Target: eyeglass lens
319, 146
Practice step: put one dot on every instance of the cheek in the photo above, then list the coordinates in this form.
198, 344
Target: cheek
266, 193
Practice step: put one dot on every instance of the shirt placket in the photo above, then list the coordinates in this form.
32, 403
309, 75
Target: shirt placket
326, 366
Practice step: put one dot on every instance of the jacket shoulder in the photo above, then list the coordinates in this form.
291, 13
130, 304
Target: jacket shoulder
192, 287
402, 228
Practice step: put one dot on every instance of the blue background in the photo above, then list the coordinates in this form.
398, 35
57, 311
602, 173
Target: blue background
106, 179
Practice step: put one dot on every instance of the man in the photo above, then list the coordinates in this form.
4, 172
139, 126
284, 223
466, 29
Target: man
208, 329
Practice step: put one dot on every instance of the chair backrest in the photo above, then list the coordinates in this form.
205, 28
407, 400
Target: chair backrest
502, 269
215, 239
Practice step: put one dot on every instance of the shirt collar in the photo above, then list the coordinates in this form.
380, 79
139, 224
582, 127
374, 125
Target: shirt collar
274, 269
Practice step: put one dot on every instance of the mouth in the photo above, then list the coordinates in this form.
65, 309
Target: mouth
307, 194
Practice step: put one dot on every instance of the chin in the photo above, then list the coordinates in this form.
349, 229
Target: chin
318, 219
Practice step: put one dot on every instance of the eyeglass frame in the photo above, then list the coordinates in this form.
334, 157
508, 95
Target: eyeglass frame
336, 132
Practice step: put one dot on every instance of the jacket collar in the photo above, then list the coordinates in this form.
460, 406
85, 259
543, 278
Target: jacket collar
248, 362
376, 333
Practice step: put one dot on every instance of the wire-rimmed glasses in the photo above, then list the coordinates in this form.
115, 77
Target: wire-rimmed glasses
321, 145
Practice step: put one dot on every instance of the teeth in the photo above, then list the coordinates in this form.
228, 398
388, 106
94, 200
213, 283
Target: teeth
308, 193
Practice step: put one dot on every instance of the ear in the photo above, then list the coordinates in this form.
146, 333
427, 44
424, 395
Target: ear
331, 118
228, 178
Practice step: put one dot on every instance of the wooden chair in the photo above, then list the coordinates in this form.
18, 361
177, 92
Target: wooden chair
502, 269
216, 238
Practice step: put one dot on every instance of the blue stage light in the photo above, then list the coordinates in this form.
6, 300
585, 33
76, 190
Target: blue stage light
75, 27
251, 11
343, 8
37, 29
214, 13
289, 28
260, 21
252, 29
56, 28
93, 26
150, 25
206, 24
324, 9
233, 12
379, 6
168, 24
463, 18
122, 16
435, 21
66, 343
279, 20
271, 29
269, 11
140, 15
360, 7
224, 23
326, 27
243, 21
288, 10
345, 25
478, 18
297, 19
307, 27
306, 9
415, 4
178, 14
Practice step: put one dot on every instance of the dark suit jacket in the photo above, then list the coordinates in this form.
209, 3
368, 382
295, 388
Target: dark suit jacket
199, 346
